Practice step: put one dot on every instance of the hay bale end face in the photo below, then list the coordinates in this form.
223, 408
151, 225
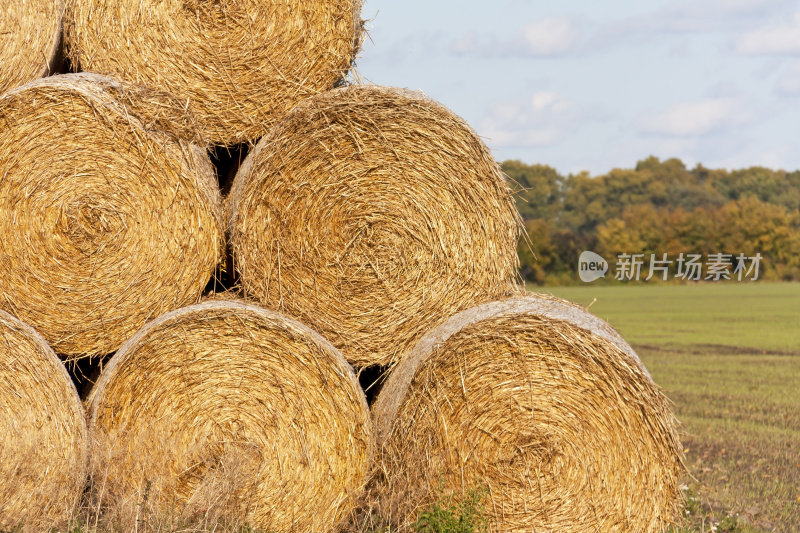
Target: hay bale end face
226, 410
551, 306
562, 426
106, 222
238, 63
30, 35
43, 440
372, 214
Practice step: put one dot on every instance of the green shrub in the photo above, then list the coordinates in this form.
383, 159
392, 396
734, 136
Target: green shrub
449, 515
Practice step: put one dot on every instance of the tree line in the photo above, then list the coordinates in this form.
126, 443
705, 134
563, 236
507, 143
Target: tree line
657, 207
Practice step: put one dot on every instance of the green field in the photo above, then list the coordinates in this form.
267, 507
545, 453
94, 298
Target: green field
728, 355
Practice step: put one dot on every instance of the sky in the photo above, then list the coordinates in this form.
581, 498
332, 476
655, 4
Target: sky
601, 84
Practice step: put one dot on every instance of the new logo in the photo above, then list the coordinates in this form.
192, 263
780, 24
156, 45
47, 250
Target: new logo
591, 267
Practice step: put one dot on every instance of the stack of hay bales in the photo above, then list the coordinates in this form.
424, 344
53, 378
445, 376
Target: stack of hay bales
30, 35
373, 215
43, 441
225, 408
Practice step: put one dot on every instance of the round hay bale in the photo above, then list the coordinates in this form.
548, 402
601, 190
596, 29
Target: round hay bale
559, 425
228, 411
43, 441
372, 214
30, 35
106, 222
239, 64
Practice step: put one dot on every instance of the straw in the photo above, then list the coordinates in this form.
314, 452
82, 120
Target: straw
43, 441
372, 214
107, 222
563, 428
30, 38
238, 64
228, 411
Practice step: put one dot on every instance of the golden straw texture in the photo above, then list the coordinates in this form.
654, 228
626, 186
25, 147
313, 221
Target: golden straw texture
106, 223
564, 428
238, 63
43, 442
553, 307
372, 214
228, 410
30, 35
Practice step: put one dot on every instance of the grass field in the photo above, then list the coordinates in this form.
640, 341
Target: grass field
728, 355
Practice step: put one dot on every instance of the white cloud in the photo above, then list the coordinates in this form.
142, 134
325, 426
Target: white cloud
408, 48
549, 102
691, 17
547, 37
467, 44
781, 156
788, 83
695, 119
775, 39
542, 120
700, 16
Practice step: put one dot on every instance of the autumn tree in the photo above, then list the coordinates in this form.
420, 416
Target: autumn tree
657, 207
